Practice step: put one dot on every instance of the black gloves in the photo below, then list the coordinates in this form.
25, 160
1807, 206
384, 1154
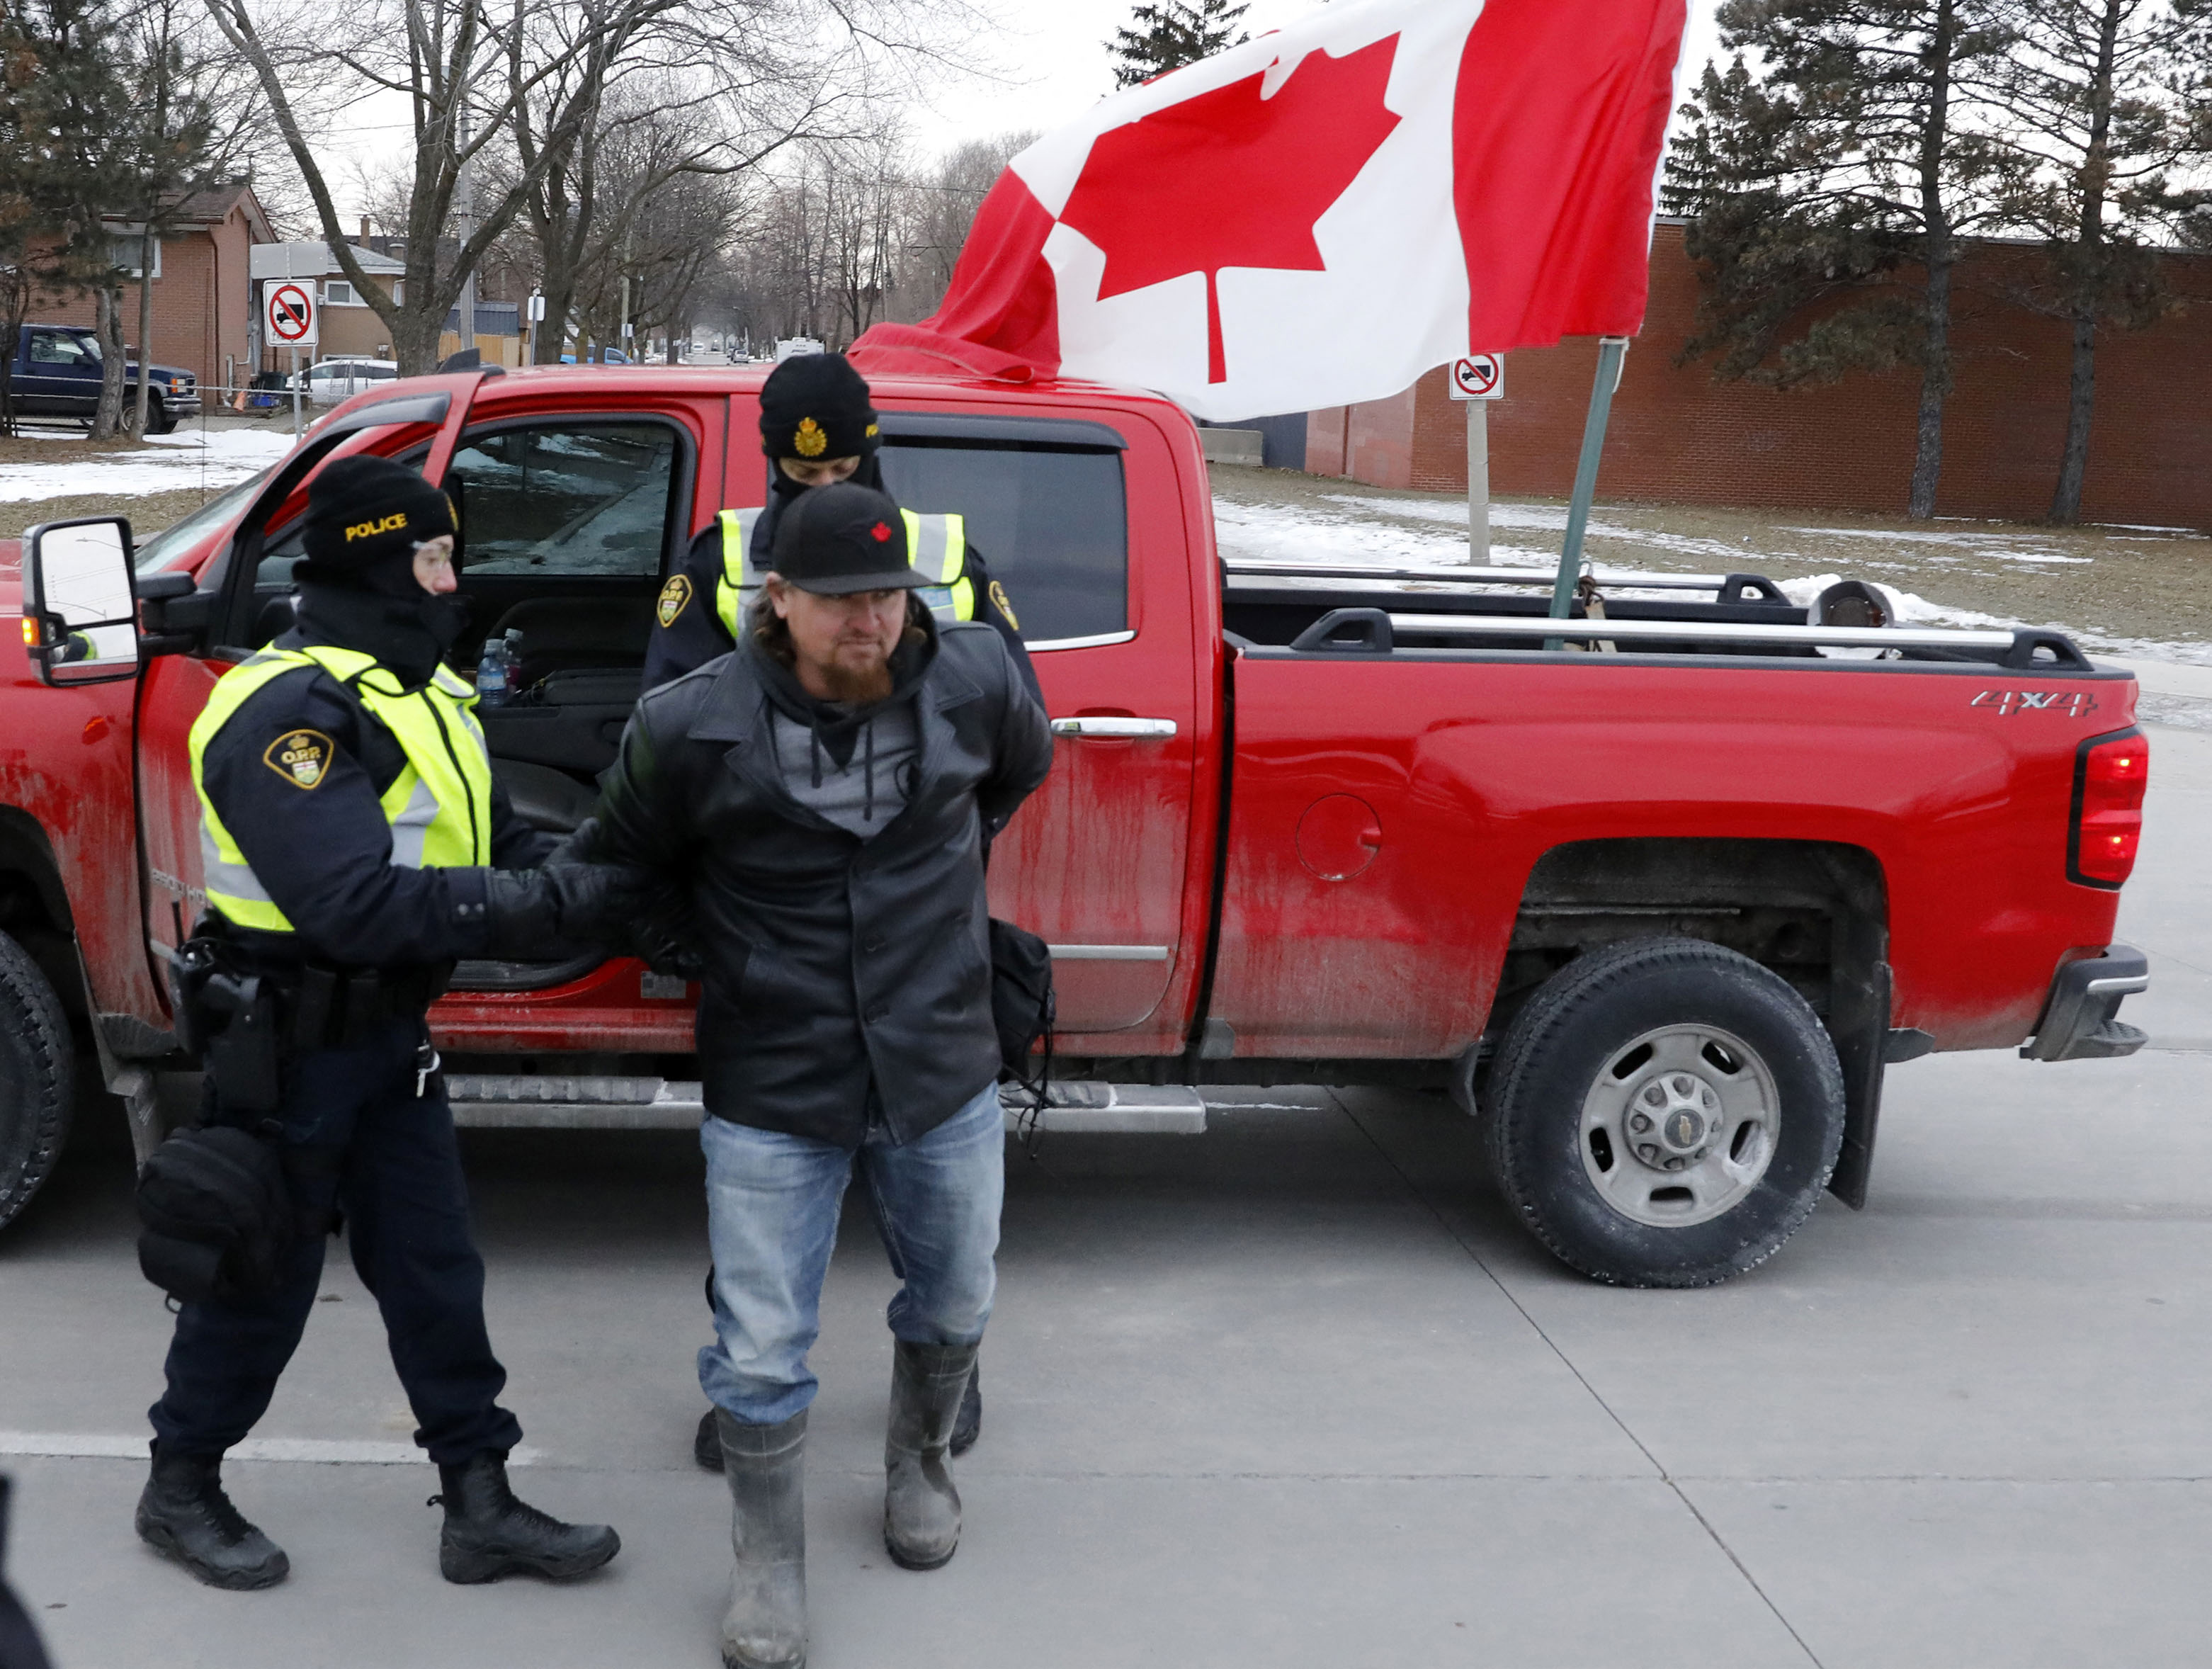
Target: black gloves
550, 915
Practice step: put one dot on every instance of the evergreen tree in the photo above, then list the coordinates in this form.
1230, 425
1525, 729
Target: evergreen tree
1829, 188
2106, 99
22, 223
76, 100
1170, 34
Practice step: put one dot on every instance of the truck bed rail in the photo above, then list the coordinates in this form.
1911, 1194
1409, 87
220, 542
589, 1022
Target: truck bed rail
1729, 587
1377, 630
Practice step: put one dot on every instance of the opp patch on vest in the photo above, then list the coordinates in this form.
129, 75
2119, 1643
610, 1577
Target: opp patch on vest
301, 757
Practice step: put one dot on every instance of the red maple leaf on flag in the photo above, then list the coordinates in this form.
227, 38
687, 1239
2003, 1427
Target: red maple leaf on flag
1229, 178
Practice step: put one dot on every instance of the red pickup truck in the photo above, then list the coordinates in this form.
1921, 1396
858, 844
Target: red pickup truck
1656, 893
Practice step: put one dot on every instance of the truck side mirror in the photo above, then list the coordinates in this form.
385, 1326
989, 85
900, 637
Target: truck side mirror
80, 618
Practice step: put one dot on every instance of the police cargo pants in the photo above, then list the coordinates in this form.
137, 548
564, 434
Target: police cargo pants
398, 1178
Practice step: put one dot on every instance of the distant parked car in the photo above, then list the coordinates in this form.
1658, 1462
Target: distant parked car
57, 374
609, 357
334, 382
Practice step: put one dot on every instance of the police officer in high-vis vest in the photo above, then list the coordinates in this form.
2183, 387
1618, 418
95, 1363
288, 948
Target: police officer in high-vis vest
818, 427
355, 846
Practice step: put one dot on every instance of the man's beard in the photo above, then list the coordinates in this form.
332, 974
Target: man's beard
858, 686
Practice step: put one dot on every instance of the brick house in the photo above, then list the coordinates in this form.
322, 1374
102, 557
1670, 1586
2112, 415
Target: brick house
203, 295
1676, 435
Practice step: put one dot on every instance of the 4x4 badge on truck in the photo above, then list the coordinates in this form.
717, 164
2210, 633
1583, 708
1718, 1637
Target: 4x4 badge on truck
299, 756
2072, 703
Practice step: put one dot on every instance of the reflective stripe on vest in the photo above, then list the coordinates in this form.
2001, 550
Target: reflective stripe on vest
936, 545
439, 806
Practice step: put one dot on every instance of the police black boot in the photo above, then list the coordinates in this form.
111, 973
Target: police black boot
765, 1627
707, 1442
489, 1534
184, 1514
921, 1509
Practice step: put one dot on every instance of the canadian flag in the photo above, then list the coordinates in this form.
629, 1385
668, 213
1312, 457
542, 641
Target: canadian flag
1320, 216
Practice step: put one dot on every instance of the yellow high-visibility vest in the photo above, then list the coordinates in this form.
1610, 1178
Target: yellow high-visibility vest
936, 545
439, 806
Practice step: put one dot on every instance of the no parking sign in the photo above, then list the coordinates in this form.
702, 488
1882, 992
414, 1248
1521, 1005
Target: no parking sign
290, 314
1478, 377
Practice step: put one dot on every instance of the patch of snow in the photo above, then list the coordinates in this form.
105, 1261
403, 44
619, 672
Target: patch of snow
2148, 527
166, 463
1287, 533
1549, 520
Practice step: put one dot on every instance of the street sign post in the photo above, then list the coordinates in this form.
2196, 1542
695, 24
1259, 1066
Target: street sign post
1478, 379
289, 311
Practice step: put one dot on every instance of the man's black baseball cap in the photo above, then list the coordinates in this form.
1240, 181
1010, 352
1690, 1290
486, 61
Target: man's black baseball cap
841, 539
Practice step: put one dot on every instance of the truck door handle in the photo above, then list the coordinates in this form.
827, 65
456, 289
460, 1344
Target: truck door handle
1113, 726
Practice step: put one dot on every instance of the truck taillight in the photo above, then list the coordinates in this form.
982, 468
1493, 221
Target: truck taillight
2110, 775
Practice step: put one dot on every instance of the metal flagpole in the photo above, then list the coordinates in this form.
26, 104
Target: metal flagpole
1611, 354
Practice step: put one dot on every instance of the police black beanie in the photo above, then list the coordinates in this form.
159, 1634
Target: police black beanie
364, 513
816, 406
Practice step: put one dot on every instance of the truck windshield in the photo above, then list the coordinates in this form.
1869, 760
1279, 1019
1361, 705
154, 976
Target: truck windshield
1050, 520
173, 541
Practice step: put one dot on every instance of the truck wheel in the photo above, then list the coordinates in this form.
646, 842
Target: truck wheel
158, 420
1665, 1113
38, 1071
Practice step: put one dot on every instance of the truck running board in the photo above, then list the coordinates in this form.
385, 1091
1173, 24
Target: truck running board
490, 1101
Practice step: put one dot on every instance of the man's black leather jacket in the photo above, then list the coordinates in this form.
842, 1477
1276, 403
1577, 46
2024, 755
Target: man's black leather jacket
832, 964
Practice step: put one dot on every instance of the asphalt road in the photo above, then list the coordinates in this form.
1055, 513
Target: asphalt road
1294, 1393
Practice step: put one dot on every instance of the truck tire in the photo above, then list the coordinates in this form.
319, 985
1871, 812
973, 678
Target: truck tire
158, 420
38, 1073
1665, 1112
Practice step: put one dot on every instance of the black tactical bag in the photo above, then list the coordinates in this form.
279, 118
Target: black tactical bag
216, 1214
1022, 1004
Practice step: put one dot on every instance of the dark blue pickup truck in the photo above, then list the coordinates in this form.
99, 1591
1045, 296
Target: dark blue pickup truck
57, 374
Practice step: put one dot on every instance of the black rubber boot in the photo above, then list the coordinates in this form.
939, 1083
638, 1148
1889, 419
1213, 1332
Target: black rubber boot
921, 1509
184, 1514
765, 1627
970, 1426
489, 1534
707, 1442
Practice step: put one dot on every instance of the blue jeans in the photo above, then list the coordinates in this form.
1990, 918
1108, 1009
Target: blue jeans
772, 1206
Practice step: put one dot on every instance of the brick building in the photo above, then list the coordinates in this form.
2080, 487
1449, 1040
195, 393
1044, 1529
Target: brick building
203, 296
1677, 435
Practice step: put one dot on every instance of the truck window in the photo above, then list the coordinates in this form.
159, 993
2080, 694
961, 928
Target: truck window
1051, 521
58, 348
545, 499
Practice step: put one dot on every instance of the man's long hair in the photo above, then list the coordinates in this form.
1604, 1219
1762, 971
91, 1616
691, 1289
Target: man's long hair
773, 633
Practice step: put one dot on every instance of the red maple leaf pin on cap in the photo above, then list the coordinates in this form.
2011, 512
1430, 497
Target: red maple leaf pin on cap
880, 533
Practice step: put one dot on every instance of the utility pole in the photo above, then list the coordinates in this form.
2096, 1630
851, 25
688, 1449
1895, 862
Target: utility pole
465, 210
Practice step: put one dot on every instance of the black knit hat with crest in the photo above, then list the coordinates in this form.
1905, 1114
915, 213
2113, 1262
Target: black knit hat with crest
814, 407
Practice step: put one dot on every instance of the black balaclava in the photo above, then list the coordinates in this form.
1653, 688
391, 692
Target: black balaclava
814, 407
357, 585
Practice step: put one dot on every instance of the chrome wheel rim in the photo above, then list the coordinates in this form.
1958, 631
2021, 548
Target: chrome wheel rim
1679, 1124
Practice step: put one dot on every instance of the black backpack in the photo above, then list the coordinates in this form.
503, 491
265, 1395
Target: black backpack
217, 1217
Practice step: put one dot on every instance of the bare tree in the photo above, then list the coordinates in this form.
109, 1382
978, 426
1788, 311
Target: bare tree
944, 202
464, 69
713, 92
